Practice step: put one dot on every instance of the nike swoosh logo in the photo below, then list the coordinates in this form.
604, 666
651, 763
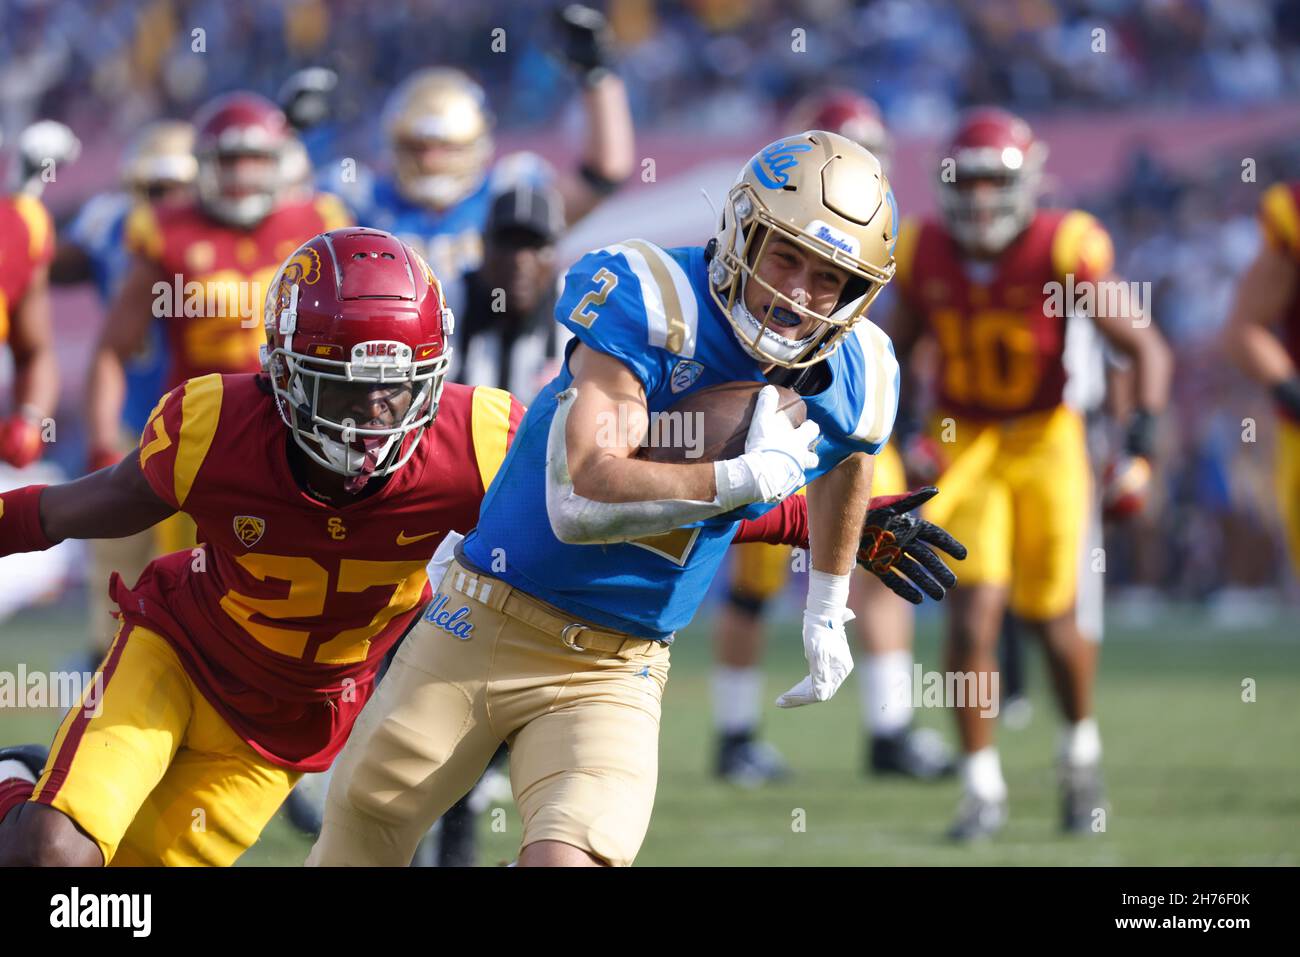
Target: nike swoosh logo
424, 353
402, 538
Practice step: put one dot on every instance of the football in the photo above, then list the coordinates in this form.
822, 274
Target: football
710, 425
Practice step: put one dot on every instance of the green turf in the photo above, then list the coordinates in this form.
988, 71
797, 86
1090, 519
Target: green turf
1195, 775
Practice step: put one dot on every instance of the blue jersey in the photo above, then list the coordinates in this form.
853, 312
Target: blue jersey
450, 240
99, 230
650, 308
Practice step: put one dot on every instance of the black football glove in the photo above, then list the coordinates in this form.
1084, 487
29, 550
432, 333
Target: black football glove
307, 97
896, 543
585, 41
1287, 394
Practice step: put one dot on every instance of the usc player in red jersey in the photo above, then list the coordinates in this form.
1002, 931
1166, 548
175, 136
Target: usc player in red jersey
202, 266
242, 663
988, 281
26, 248
1263, 337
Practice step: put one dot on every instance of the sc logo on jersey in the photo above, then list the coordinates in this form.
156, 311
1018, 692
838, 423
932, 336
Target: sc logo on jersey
778, 158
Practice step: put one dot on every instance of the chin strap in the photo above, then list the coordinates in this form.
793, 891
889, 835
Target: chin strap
371, 448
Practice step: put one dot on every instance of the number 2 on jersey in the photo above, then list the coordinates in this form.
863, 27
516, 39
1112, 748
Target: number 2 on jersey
583, 314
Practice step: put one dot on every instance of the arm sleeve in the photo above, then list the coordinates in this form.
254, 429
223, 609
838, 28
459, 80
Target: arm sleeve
787, 524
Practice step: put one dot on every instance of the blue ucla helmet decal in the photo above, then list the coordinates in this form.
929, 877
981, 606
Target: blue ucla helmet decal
777, 158
893, 220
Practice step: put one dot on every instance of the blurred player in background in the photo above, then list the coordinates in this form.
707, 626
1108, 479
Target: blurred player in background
26, 248
1263, 338
759, 573
444, 172
213, 257
158, 168
1016, 483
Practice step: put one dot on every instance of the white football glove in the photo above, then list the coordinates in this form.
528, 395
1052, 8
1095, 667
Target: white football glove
825, 644
776, 457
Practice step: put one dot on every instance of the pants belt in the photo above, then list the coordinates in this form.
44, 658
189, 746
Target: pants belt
574, 633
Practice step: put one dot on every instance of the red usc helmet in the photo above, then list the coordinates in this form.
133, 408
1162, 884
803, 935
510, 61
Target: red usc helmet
228, 130
356, 306
990, 190
847, 113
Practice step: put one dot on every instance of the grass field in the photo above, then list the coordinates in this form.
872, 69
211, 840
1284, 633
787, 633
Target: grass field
1195, 775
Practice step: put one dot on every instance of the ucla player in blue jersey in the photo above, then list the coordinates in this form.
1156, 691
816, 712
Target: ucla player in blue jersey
444, 175
159, 167
587, 560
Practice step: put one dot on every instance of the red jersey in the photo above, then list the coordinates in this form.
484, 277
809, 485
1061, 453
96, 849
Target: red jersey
1279, 215
26, 244
213, 277
284, 612
1001, 339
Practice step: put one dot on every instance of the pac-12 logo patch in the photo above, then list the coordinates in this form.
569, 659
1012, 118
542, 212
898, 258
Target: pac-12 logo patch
249, 529
778, 158
454, 623
685, 373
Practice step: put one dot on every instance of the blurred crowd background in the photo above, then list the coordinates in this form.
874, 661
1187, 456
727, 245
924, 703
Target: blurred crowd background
714, 77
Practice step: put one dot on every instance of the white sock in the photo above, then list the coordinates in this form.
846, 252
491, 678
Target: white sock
13, 768
1081, 743
737, 694
981, 775
886, 690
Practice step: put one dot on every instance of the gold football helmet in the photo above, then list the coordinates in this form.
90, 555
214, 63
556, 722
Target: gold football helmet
827, 195
160, 156
440, 132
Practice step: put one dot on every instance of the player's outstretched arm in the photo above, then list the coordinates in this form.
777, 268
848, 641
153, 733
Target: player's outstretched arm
111, 503
124, 332
898, 546
36, 374
1129, 330
1248, 338
596, 491
609, 157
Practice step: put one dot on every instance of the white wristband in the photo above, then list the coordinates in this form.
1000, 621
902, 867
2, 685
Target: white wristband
828, 595
735, 481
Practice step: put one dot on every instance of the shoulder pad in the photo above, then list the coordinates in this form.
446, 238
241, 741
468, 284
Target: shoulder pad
1082, 247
